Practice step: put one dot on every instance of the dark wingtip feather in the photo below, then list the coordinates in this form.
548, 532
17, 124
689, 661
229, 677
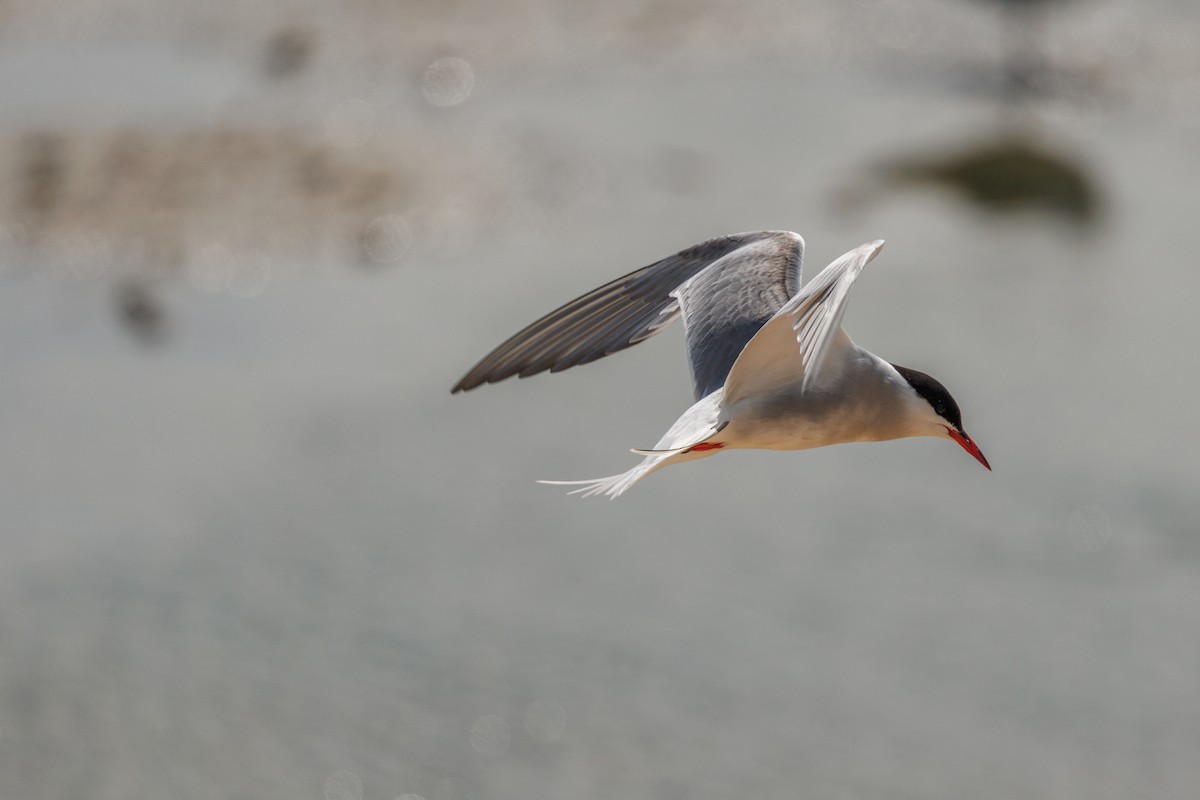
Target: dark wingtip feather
606, 320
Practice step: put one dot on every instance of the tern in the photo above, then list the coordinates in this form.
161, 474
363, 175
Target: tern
771, 365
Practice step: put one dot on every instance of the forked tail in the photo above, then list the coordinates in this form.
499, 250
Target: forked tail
698, 442
614, 485
694, 435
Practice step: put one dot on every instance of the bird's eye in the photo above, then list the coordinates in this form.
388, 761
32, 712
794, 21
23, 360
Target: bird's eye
940, 409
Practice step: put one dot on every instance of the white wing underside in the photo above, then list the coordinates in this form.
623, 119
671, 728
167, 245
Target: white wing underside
797, 341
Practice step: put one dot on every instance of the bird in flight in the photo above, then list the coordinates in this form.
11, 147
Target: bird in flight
771, 365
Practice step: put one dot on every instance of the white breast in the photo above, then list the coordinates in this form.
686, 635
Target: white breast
864, 400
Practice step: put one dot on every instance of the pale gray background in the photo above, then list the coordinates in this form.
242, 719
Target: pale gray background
255, 546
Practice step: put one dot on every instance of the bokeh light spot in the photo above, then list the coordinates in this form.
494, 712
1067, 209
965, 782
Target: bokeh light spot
387, 239
209, 269
448, 81
490, 736
343, 785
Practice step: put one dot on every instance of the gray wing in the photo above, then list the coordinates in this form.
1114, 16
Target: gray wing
723, 307
638, 305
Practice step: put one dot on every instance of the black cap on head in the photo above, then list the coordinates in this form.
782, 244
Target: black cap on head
934, 393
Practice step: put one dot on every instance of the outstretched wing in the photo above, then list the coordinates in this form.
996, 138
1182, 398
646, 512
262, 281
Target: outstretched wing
793, 346
634, 308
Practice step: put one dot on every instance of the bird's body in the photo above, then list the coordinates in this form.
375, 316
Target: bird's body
771, 365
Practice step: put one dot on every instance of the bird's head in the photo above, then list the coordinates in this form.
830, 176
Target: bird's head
935, 413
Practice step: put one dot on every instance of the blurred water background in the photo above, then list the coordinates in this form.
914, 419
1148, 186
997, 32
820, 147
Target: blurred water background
251, 548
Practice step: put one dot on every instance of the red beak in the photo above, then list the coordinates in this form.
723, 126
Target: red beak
969, 446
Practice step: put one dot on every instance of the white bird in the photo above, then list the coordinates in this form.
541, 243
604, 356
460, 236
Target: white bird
771, 365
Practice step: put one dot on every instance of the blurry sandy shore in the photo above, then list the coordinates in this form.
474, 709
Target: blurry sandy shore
155, 202
332, 133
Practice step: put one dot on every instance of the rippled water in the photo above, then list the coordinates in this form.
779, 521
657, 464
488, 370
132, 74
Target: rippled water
267, 554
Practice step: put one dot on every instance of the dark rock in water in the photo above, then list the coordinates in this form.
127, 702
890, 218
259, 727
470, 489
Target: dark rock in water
288, 52
1027, 5
44, 169
141, 312
1002, 176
